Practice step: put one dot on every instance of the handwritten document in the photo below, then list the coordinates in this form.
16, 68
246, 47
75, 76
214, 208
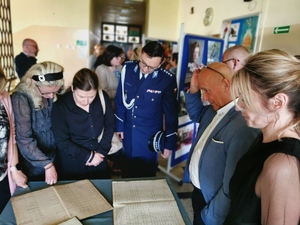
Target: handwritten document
57, 204
144, 202
73, 221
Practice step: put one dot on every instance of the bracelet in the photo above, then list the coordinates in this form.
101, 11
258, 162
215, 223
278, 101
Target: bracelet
49, 167
92, 157
13, 168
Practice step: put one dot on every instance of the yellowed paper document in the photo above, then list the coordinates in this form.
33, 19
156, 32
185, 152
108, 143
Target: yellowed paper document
57, 204
144, 202
73, 221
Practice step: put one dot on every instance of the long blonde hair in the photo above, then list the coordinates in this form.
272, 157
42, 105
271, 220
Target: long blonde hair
266, 74
27, 84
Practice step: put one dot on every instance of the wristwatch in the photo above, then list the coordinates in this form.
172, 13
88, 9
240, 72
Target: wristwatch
16, 167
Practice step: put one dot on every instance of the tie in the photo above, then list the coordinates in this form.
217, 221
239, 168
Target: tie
142, 78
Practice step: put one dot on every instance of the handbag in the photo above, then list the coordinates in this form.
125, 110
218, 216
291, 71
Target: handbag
116, 144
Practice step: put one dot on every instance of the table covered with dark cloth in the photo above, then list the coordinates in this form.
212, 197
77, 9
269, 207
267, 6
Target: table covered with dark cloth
105, 188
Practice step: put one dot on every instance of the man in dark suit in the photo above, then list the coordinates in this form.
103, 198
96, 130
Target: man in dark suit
27, 58
145, 103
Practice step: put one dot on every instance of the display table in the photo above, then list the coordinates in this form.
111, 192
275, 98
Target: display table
105, 188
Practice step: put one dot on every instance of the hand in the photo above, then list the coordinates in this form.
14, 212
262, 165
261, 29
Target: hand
50, 174
19, 178
120, 135
98, 158
166, 154
194, 87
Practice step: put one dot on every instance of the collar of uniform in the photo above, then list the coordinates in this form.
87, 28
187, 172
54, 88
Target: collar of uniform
222, 111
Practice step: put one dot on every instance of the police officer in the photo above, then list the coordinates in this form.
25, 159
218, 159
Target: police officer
145, 103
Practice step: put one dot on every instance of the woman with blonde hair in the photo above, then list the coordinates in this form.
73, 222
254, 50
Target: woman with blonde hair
32, 101
10, 173
265, 187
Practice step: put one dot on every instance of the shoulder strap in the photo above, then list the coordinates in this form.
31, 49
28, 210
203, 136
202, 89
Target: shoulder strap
102, 100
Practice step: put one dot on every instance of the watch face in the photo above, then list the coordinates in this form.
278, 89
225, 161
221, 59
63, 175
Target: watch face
18, 166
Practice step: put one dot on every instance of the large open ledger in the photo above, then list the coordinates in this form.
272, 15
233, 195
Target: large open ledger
144, 202
59, 203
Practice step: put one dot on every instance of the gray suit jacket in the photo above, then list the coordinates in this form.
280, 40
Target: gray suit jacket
225, 145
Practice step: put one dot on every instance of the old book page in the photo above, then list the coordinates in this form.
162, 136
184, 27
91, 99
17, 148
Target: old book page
73, 221
144, 202
57, 204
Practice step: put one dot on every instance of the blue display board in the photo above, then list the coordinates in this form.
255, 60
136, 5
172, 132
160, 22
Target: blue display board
196, 51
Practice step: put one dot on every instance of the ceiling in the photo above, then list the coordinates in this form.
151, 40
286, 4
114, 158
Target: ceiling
121, 11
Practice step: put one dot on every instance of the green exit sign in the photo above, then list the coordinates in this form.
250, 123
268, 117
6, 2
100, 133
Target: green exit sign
282, 30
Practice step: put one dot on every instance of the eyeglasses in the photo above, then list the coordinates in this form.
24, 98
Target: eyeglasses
215, 71
48, 93
35, 46
148, 67
225, 61
121, 57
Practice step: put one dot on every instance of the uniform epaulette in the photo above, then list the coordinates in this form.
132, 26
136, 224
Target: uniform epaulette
130, 61
167, 72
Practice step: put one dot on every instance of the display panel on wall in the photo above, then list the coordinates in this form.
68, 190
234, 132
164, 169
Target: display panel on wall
197, 51
119, 33
241, 31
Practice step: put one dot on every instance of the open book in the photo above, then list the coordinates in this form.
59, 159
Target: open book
59, 203
144, 202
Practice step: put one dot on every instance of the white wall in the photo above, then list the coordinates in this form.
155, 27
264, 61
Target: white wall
56, 25
274, 13
162, 19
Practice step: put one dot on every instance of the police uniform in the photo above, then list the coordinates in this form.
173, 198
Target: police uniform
142, 109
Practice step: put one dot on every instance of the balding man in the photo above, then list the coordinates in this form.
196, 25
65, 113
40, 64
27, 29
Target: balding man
235, 57
27, 58
221, 140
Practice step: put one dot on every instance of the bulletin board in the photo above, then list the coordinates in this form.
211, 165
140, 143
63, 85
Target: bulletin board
241, 31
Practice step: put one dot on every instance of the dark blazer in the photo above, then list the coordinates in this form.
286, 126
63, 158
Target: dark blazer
76, 135
23, 63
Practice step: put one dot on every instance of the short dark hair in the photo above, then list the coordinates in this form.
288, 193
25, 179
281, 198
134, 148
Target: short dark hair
154, 49
175, 56
86, 80
109, 53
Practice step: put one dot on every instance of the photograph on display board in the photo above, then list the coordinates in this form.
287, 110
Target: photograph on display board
195, 56
248, 32
184, 140
234, 32
213, 52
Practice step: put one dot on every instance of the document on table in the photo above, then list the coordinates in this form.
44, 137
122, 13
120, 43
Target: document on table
144, 202
73, 221
57, 204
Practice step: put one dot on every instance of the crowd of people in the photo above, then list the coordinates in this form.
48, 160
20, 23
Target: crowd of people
243, 163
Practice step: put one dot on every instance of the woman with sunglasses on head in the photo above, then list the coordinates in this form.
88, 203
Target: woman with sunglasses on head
32, 101
10, 176
265, 187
